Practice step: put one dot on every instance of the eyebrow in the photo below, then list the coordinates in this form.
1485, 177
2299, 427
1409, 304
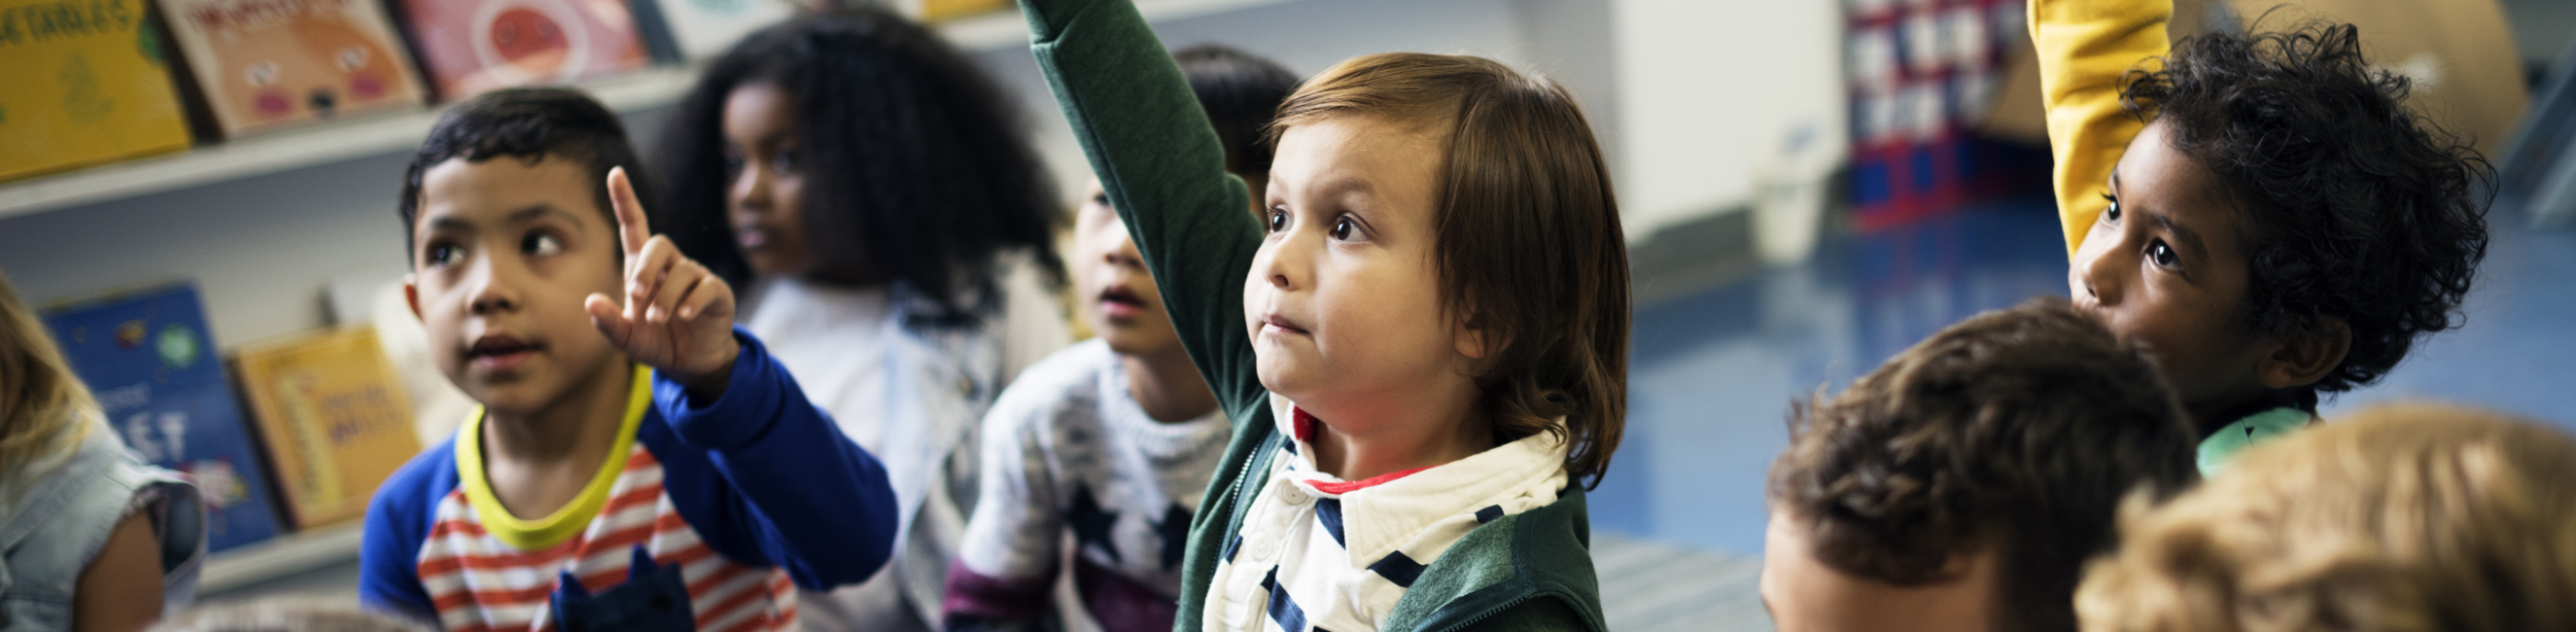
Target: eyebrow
523, 215
2189, 237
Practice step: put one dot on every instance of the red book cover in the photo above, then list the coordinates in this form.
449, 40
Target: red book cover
470, 46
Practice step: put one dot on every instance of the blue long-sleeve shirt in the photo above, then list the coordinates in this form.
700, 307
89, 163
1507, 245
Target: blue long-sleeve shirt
747, 497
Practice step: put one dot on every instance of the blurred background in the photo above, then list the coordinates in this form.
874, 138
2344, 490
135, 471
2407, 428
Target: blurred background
1807, 187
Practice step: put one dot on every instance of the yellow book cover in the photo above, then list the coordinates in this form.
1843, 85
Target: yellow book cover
272, 64
334, 419
82, 82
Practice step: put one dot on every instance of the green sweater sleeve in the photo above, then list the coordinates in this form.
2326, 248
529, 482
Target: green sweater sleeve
1164, 170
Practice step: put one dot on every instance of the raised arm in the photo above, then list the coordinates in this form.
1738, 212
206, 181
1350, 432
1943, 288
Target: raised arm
2084, 47
1164, 169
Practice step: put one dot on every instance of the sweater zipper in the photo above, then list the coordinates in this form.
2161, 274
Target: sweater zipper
1488, 614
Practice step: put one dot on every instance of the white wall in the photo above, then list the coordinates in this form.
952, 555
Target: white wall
1712, 92
1715, 84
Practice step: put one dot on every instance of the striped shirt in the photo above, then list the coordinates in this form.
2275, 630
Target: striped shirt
707, 515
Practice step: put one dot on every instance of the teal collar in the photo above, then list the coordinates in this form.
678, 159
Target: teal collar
2223, 445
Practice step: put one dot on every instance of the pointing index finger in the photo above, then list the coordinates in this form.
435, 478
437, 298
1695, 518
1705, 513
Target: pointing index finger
632, 229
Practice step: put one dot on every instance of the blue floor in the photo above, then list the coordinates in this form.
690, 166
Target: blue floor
1714, 372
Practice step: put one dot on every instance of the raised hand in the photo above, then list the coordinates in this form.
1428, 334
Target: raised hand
677, 316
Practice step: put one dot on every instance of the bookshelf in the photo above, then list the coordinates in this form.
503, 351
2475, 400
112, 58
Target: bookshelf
392, 132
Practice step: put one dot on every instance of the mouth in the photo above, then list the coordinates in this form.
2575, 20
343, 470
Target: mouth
751, 237
501, 351
1120, 302
1279, 325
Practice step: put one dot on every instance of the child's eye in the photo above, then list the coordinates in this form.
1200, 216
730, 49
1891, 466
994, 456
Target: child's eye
1101, 199
443, 255
1277, 219
2162, 254
2112, 214
541, 244
785, 161
732, 165
1347, 229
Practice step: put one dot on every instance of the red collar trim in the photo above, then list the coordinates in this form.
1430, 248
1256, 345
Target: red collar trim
1345, 487
1302, 423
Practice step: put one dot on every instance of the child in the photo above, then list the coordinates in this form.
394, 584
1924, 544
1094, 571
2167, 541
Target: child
2402, 518
2279, 226
635, 464
1115, 437
1961, 485
1422, 354
904, 283
91, 538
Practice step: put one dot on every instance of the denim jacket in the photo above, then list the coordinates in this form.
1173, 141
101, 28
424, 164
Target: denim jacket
52, 526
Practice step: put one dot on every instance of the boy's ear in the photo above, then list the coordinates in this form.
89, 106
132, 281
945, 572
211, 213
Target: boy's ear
411, 293
2306, 354
1472, 342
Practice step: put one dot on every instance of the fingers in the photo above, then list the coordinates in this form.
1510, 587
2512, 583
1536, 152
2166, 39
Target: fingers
632, 228
603, 314
647, 272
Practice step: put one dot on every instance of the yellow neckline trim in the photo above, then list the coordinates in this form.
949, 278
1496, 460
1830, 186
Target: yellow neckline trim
567, 521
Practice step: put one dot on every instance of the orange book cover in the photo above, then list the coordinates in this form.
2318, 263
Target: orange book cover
272, 64
334, 419
472, 46
82, 82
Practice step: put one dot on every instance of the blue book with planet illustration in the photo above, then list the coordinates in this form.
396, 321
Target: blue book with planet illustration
149, 359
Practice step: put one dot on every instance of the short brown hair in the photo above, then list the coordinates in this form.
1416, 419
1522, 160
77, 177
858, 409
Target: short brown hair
2016, 431
2397, 518
1530, 248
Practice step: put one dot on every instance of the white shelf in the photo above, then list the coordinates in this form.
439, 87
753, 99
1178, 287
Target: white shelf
389, 133
279, 557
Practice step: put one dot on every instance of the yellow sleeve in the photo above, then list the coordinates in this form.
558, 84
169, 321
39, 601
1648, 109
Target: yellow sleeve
2084, 47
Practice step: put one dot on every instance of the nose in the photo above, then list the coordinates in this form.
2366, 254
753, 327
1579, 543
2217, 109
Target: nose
490, 289
2096, 278
1282, 263
750, 190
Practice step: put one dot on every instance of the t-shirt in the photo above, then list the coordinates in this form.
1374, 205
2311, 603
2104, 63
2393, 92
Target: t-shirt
1067, 448
710, 512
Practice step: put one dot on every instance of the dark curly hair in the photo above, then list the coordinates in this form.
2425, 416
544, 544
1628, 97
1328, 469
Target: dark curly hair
923, 176
529, 124
2362, 210
2016, 431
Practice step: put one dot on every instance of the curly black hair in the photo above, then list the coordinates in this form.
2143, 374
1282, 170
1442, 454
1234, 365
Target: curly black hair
2016, 432
528, 124
2363, 210
925, 178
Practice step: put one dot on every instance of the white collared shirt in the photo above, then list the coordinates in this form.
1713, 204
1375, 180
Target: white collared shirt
1319, 553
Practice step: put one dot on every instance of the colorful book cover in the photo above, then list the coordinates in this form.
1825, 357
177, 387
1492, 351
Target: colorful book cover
470, 46
149, 359
705, 28
82, 82
333, 416
264, 65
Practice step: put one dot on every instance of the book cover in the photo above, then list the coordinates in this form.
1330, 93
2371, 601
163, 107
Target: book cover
264, 65
333, 416
701, 29
149, 359
470, 46
86, 82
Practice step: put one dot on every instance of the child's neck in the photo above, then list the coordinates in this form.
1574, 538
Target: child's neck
538, 460
1441, 428
1168, 386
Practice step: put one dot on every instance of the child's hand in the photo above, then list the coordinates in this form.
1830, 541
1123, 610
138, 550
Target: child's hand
678, 317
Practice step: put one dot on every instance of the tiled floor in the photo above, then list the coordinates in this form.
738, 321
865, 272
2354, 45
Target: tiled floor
1714, 372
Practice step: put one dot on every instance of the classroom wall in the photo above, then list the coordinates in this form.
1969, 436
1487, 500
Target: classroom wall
264, 248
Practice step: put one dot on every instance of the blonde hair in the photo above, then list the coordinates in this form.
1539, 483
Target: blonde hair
1527, 234
2398, 518
42, 404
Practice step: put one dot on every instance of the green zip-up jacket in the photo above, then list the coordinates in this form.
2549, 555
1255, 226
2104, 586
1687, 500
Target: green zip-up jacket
1161, 163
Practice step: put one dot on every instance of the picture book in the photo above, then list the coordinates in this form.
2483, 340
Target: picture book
264, 65
86, 82
149, 359
334, 417
471, 46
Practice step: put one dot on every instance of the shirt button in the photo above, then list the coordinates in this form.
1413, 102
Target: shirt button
1261, 549
1292, 495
